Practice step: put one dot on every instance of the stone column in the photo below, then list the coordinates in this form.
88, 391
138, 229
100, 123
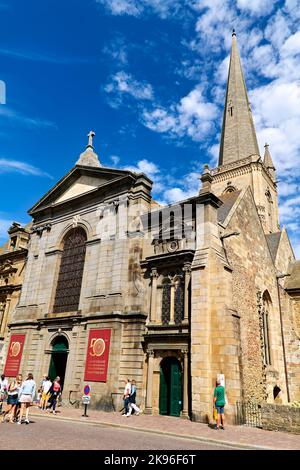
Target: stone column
153, 315
5, 317
185, 409
187, 278
172, 304
148, 409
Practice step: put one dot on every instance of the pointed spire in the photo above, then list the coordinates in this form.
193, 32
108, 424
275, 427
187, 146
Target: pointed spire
268, 162
238, 138
89, 157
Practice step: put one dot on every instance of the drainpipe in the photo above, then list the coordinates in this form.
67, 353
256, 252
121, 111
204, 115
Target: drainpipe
280, 276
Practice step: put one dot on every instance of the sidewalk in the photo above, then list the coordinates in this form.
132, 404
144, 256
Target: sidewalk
238, 436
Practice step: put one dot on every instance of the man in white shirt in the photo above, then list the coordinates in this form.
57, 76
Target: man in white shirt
127, 392
45, 393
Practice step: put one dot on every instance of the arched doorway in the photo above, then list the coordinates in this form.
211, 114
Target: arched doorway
59, 356
170, 389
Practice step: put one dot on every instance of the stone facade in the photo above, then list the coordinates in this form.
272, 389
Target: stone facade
204, 288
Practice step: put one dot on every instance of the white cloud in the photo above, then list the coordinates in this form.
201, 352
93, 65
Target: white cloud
4, 226
291, 45
193, 117
257, 7
162, 8
27, 121
124, 84
144, 166
10, 166
115, 159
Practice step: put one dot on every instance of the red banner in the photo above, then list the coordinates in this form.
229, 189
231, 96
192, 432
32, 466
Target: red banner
97, 356
14, 355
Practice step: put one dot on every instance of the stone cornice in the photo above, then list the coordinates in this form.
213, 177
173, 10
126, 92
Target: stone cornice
18, 254
239, 168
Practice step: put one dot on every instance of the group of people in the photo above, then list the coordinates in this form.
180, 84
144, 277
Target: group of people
129, 398
20, 395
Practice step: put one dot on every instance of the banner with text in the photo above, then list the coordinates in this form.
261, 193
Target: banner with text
97, 356
14, 355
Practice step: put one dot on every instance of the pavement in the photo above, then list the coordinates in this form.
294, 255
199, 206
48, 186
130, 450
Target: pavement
59, 434
238, 437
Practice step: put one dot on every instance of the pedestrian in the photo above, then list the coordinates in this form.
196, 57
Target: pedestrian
45, 393
26, 397
44, 379
127, 392
3, 390
219, 403
55, 392
132, 398
12, 398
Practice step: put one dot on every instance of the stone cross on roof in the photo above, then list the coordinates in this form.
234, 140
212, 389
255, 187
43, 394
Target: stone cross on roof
89, 157
91, 134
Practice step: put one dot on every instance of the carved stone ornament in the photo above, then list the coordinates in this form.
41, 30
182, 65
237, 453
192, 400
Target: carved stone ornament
75, 220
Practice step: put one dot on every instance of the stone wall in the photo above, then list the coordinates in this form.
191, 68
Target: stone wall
280, 418
254, 272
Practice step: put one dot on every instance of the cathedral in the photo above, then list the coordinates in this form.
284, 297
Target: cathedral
105, 284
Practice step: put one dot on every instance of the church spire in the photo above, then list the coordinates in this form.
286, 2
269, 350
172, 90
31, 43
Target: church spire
268, 162
238, 138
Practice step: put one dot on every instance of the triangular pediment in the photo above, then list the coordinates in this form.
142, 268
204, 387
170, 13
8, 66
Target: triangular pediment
77, 183
83, 185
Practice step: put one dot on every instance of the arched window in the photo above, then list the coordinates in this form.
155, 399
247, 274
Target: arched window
270, 205
265, 327
70, 272
179, 301
166, 302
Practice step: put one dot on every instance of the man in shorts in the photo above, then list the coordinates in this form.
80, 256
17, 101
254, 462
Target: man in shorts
219, 403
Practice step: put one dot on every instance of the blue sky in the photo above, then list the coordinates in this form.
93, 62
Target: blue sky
149, 78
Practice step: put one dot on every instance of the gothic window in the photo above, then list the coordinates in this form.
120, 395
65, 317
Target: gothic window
265, 327
179, 301
70, 272
166, 302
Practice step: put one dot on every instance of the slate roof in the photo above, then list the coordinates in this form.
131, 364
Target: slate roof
293, 281
273, 243
228, 200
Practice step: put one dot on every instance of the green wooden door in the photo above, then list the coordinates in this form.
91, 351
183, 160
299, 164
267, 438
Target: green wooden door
163, 393
170, 389
175, 389
58, 361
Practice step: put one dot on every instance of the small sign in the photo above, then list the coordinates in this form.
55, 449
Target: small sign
221, 379
86, 390
86, 399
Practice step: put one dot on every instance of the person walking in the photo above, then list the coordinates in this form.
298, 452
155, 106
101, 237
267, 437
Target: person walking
45, 393
132, 398
44, 379
12, 398
55, 392
26, 397
219, 403
3, 390
127, 392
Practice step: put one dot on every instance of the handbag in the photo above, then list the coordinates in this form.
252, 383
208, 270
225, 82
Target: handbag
215, 414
